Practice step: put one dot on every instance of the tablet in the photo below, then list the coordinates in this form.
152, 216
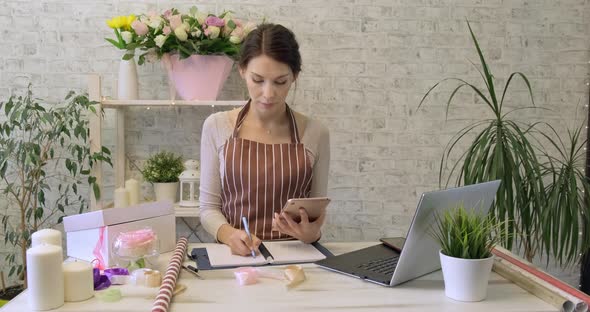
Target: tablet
313, 206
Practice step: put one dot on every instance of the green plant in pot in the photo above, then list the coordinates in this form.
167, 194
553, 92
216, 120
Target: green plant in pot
505, 148
162, 170
45, 163
466, 238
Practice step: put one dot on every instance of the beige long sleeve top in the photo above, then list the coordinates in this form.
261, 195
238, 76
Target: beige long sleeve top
217, 128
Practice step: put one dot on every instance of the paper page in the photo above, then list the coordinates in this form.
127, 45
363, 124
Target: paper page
293, 251
220, 255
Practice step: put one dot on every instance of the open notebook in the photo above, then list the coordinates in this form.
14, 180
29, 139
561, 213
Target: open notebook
276, 252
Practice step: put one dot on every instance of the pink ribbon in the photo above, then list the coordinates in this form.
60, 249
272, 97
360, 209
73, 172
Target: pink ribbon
97, 252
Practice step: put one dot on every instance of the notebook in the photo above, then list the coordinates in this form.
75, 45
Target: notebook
275, 252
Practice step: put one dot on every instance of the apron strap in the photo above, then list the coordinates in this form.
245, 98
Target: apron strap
292, 123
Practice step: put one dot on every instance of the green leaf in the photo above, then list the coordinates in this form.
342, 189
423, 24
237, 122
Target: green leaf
96, 190
128, 56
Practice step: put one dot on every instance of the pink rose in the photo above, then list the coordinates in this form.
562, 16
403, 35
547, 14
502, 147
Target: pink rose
175, 21
214, 21
139, 27
166, 30
167, 14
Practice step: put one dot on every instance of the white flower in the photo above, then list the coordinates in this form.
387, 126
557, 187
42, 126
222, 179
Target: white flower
212, 32
127, 36
235, 39
180, 33
196, 33
201, 17
155, 22
160, 39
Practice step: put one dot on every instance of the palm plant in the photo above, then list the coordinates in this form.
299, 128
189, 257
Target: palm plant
501, 150
566, 208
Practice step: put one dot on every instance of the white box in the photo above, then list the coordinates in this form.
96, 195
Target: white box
83, 231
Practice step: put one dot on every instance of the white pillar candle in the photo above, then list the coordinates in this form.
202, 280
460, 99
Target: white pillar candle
78, 281
46, 236
45, 278
121, 198
132, 186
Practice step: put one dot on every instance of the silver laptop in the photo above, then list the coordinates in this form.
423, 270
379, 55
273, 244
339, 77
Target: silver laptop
419, 256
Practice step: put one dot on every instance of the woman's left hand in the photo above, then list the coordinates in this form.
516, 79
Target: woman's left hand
305, 231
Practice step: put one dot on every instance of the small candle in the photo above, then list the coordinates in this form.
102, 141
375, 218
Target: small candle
46, 236
78, 281
44, 277
121, 198
132, 186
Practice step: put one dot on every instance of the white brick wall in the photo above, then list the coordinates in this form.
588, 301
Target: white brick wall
367, 63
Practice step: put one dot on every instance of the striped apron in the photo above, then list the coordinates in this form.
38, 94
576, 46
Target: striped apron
259, 178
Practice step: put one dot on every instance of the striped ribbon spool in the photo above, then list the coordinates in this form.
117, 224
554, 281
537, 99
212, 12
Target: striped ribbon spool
169, 282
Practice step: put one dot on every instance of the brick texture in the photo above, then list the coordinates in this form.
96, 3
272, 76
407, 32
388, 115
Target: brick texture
367, 63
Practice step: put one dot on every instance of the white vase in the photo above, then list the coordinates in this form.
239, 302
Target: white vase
166, 191
466, 279
127, 82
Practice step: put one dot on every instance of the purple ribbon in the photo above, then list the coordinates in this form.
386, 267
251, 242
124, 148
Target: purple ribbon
103, 281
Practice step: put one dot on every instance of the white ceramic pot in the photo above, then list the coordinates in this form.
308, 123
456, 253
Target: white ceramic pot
166, 191
466, 279
127, 81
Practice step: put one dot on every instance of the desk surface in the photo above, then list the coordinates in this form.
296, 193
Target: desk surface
323, 290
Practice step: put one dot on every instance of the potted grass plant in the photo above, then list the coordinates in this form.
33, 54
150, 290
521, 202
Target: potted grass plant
162, 170
466, 238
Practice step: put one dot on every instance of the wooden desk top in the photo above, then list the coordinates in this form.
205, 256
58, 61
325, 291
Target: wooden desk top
323, 290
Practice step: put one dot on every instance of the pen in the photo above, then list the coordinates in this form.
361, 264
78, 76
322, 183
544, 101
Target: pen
245, 222
192, 270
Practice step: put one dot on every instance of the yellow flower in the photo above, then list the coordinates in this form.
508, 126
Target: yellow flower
122, 21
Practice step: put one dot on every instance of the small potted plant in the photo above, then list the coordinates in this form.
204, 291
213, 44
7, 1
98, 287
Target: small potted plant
466, 238
162, 170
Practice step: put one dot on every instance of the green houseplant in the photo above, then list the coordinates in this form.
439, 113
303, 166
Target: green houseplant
504, 148
466, 238
45, 159
162, 169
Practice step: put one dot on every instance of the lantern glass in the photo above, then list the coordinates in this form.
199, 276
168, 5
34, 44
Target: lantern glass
189, 184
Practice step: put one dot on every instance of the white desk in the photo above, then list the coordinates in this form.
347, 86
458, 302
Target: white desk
322, 291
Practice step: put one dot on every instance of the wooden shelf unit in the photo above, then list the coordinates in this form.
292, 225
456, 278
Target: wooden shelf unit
95, 137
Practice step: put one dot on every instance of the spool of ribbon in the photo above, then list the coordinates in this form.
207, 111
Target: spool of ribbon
169, 282
293, 274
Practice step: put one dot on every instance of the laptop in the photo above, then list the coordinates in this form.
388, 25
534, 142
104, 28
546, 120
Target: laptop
419, 256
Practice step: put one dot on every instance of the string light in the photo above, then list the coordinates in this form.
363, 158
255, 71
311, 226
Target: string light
173, 102
148, 108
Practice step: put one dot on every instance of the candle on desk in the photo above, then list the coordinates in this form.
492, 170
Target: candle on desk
45, 278
78, 281
132, 186
46, 236
121, 198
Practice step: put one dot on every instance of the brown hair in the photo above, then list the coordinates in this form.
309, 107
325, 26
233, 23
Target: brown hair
274, 41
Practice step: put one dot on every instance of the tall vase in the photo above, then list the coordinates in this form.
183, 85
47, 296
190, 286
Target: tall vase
127, 83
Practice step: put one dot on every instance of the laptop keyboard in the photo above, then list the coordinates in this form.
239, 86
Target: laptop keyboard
382, 266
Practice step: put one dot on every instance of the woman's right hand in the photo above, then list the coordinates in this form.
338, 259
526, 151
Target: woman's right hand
238, 240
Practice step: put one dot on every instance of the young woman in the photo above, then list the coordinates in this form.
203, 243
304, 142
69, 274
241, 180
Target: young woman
255, 158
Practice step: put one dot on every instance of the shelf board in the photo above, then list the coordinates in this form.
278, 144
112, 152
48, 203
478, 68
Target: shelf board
180, 103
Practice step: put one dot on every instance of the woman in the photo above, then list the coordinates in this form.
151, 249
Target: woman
255, 158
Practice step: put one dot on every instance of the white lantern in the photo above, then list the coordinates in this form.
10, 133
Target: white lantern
189, 184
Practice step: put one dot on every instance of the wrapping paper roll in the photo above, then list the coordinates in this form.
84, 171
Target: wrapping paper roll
169, 282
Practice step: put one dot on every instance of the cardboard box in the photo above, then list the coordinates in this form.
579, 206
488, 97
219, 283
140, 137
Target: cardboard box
84, 231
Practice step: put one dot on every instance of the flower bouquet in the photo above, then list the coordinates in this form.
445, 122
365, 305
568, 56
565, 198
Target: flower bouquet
196, 48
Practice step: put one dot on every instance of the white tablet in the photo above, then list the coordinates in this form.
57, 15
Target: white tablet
314, 207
